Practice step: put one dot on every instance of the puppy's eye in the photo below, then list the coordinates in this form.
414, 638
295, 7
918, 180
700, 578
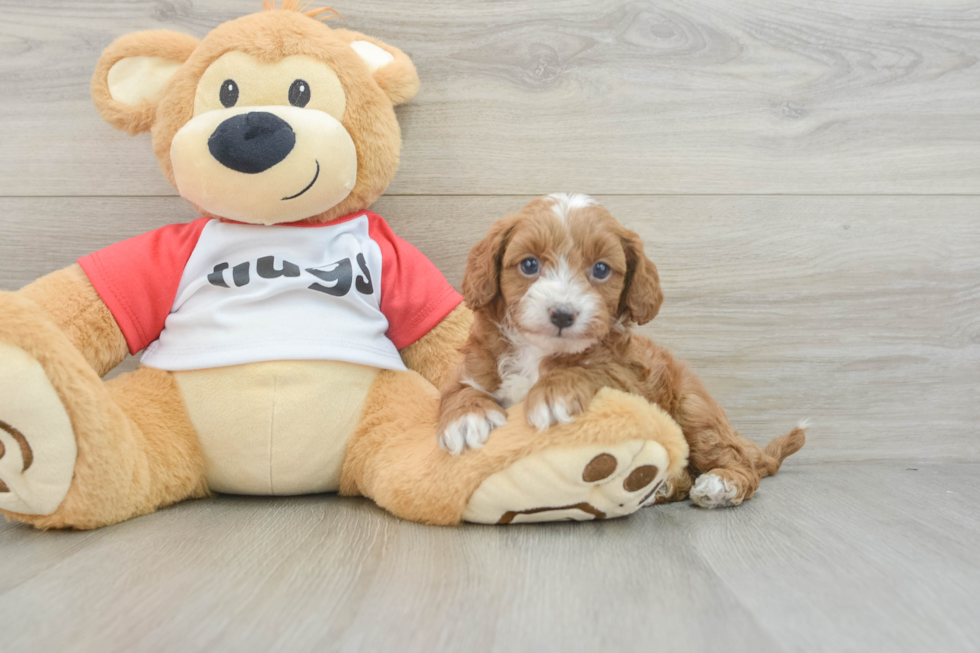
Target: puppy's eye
299, 93
530, 266
601, 270
229, 93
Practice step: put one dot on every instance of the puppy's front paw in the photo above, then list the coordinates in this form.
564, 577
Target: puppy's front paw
547, 405
470, 430
548, 411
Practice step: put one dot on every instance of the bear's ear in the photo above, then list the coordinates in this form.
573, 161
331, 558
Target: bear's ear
132, 74
392, 69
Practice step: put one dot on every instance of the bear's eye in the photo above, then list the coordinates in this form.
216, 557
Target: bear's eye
601, 270
299, 93
530, 266
229, 93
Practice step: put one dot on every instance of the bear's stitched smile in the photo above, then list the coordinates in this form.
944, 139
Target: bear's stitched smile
309, 186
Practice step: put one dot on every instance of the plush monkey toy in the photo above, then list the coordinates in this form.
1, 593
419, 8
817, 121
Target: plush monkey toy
291, 342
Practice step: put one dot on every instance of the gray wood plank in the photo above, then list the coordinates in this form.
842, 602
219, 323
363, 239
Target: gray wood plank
826, 558
859, 313
676, 96
847, 551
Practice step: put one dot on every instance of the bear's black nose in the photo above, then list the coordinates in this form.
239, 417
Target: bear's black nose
252, 142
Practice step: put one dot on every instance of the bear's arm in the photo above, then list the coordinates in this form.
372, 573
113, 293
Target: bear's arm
70, 301
436, 354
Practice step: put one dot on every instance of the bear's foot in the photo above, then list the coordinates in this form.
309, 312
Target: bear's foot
577, 483
37, 443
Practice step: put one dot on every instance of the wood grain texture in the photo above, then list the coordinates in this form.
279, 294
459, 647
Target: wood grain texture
859, 313
826, 558
807, 177
673, 96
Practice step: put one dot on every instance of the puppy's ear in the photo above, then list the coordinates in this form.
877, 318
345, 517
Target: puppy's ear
642, 297
481, 281
391, 68
133, 73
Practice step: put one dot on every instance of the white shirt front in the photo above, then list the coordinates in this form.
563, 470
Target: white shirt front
212, 294
293, 293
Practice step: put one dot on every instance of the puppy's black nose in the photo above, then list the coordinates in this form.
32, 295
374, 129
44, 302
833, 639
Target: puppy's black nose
252, 142
562, 318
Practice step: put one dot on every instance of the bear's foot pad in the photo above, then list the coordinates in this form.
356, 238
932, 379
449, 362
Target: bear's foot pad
37, 443
579, 484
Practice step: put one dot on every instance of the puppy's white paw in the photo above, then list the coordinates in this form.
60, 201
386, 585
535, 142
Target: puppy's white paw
549, 412
712, 491
470, 430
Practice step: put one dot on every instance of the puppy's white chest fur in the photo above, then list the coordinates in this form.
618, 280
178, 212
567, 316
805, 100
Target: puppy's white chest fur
519, 369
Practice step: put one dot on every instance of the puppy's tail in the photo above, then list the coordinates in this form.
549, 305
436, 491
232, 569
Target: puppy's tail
781, 448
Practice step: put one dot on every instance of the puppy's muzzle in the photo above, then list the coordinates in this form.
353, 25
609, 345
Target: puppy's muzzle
252, 142
562, 317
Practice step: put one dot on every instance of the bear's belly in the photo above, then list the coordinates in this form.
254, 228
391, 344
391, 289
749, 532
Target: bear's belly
278, 427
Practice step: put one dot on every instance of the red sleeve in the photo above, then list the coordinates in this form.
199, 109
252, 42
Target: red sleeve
138, 278
415, 297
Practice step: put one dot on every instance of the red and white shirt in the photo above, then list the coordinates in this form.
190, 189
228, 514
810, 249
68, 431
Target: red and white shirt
212, 293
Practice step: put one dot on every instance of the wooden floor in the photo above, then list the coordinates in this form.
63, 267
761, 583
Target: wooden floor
807, 177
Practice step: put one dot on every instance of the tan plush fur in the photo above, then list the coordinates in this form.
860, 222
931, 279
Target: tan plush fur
394, 459
437, 354
610, 356
275, 427
270, 36
68, 299
172, 46
136, 449
397, 79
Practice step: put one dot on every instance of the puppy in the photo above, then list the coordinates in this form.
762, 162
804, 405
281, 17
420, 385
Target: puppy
555, 290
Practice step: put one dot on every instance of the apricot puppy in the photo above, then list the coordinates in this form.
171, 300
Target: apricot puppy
556, 289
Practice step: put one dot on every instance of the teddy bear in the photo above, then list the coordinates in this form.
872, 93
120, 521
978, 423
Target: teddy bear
292, 343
